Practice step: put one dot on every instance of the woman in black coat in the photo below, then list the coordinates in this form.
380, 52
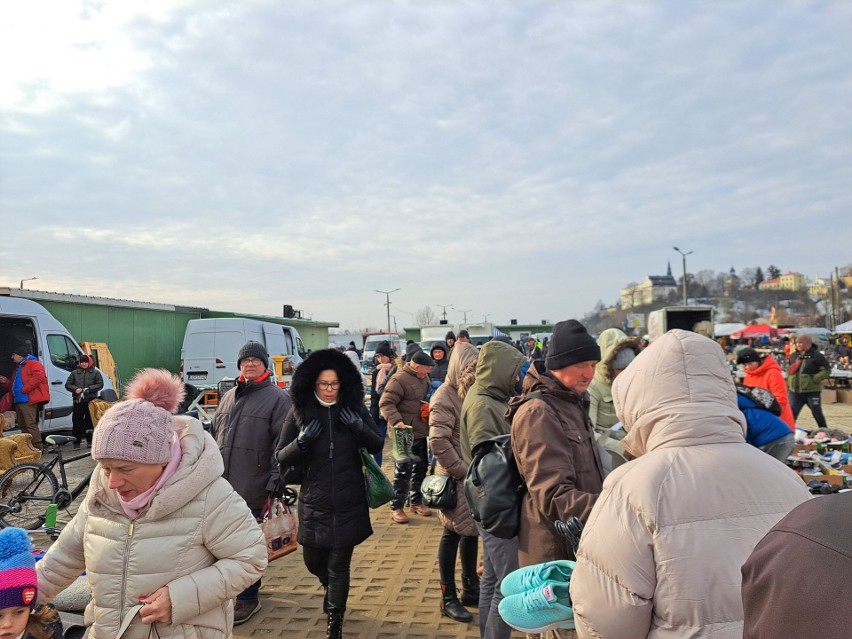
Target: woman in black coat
324, 430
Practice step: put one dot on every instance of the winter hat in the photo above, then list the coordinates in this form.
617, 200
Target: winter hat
18, 581
139, 429
23, 350
84, 359
570, 344
623, 359
422, 358
253, 349
746, 355
385, 349
464, 333
450, 335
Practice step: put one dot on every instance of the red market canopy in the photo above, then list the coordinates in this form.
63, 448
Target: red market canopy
755, 330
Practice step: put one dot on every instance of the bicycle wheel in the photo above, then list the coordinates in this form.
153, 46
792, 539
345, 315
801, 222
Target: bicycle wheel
25, 491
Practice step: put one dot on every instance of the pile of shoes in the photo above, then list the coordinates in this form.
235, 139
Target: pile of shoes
536, 598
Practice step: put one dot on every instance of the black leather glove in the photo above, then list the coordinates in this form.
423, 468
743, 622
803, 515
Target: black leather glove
352, 420
308, 434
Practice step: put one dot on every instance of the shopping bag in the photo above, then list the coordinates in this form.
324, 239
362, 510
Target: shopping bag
379, 489
279, 528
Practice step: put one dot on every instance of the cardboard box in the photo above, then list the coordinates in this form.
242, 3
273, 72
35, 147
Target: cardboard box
831, 480
844, 395
803, 448
829, 396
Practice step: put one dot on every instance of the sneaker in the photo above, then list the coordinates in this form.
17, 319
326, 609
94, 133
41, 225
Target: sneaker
536, 576
399, 516
536, 611
244, 610
421, 510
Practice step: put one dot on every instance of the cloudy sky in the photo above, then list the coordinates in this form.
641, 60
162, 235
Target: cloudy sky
514, 159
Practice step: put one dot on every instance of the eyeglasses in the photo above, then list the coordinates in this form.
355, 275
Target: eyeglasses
328, 385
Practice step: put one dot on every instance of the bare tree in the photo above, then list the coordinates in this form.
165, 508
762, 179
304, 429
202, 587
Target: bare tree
705, 276
425, 316
747, 276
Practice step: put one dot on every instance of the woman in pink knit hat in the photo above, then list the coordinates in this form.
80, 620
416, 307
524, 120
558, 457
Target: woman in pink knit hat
164, 539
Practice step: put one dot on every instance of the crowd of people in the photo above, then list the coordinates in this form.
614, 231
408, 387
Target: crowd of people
669, 465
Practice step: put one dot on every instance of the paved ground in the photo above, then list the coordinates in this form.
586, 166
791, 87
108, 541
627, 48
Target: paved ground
395, 590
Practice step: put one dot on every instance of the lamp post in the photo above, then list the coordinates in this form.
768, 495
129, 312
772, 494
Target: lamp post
387, 302
27, 279
684, 271
458, 310
444, 307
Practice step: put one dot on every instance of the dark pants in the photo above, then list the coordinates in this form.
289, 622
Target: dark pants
81, 422
500, 558
250, 594
813, 401
383, 432
408, 477
26, 416
448, 549
331, 567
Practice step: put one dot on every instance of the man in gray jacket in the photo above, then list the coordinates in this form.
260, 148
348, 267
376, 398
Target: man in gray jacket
246, 425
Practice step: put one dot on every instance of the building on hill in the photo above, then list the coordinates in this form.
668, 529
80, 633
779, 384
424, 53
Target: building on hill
788, 282
652, 289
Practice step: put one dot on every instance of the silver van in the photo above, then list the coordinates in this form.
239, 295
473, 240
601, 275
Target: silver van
23, 321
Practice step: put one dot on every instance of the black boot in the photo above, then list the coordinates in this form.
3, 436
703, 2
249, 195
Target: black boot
451, 606
470, 590
325, 598
335, 623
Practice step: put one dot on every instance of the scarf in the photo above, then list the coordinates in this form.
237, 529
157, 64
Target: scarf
382, 375
134, 506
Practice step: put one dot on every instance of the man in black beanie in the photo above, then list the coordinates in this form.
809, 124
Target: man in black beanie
554, 443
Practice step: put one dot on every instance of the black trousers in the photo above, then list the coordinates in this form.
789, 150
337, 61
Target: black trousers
81, 421
331, 567
813, 401
448, 550
408, 477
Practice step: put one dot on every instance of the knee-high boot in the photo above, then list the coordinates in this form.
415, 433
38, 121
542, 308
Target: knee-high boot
335, 623
398, 442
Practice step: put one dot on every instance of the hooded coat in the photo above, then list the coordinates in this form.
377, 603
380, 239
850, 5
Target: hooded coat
400, 401
439, 370
601, 409
660, 556
769, 376
444, 439
483, 413
333, 510
197, 537
558, 458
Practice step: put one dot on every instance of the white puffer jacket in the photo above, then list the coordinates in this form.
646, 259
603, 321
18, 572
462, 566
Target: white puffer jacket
660, 556
198, 537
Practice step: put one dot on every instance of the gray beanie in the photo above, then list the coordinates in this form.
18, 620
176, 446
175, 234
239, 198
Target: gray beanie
623, 359
253, 349
570, 344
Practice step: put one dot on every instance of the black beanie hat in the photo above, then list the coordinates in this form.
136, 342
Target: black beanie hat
464, 333
450, 335
253, 349
422, 358
746, 355
385, 349
570, 344
23, 351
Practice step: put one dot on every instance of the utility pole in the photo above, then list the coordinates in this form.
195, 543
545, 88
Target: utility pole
684, 271
458, 310
27, 279
445, 307
387, 302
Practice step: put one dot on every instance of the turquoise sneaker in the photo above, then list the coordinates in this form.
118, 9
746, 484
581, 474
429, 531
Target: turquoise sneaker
524, 579
544, 608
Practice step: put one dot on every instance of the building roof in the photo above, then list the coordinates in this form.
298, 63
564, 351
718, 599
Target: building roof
662, 280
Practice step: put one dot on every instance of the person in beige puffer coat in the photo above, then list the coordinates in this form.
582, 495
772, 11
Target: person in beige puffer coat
158, 526
459, 529
660, 556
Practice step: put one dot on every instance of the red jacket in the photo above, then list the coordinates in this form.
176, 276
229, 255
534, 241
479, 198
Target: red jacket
34, 382
768, 375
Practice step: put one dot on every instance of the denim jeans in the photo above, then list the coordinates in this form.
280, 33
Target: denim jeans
250, 594
382, 425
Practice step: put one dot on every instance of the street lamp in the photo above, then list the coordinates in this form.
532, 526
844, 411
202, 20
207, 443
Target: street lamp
27, 280
458, 310
445, 307
387, 302
684, 271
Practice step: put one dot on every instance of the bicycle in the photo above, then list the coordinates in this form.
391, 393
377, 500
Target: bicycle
27, 489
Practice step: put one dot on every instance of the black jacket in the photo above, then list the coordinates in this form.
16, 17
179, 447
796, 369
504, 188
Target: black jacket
333, 511
439, 370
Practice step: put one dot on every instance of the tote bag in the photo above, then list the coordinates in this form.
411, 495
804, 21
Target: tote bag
279, 528
379, 489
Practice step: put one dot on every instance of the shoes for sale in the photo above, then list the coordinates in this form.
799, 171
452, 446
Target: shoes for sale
535, 611
531, 577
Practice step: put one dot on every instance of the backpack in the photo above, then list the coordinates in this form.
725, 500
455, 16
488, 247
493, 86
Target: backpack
762, 397
494, 488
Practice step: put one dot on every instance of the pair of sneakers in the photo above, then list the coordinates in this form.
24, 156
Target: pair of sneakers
536, 598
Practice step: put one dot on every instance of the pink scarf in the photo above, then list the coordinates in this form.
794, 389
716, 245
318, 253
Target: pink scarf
384, 369
134, 506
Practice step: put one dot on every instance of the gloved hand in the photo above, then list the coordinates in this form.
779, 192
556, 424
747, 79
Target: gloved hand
308, 434
352, 420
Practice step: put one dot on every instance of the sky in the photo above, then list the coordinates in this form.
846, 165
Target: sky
512, 159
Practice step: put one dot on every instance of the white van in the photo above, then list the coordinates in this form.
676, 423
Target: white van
210, 347
26, 322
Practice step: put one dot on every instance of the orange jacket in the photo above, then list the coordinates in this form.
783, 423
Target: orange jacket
768, 375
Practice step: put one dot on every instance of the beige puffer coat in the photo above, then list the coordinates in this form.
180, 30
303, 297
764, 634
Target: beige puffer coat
660, 556
198, 537
444, 428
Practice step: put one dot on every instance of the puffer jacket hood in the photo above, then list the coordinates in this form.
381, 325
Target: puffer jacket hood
440, 346
302, 388
664, 397
612, 341
497, 368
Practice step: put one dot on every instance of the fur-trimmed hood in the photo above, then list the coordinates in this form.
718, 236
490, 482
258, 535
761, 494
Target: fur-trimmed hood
302, 388
612, 341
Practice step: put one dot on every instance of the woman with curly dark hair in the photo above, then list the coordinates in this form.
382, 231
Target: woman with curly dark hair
323, 432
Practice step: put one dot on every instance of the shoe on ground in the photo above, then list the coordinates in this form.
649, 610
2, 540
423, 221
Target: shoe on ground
399, 516
539, 610
536, 576
244, 610
75, 447
421, 510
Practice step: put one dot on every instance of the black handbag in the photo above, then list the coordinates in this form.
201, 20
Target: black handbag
439, 491
494, 488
